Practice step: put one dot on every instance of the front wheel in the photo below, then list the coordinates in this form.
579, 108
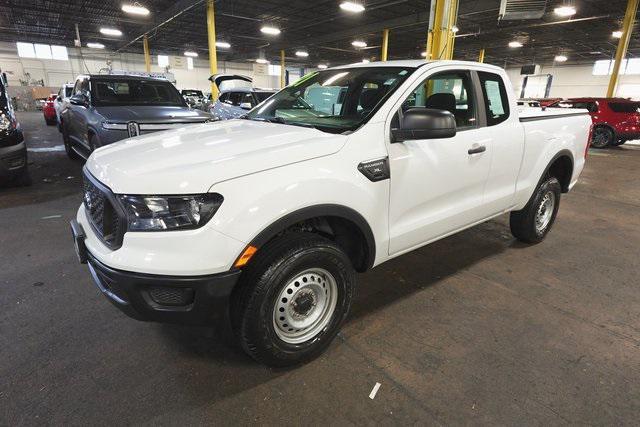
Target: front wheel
292, 299
531, 224
602, 137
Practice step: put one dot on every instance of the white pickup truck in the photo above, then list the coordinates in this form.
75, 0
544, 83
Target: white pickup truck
267, 218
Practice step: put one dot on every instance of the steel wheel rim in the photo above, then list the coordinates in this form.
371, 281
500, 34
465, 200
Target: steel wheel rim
305, 306
545, 212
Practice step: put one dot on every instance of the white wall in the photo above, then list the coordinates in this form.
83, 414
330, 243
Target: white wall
577, 80
55, 73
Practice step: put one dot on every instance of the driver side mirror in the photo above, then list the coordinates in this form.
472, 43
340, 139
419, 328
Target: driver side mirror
424, 123
80, 99
245, 105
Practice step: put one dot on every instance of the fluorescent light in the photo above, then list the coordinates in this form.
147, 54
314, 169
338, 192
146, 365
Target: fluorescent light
560, 58
423, 54
616, 34
273, 31
302, 53
223, 45
350, 6
322, 66
191, 53
262, 61
515, 44
358, 43
95, 45
565, 11
135, 9
111, 32
365, 61
455, 29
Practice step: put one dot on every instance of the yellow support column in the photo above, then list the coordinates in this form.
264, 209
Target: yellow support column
147, 57
283, 70
621, 51
385, 44
481, 56
451, 23
211, 36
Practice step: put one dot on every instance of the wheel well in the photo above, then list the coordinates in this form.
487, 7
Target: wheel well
562, 169
353, 235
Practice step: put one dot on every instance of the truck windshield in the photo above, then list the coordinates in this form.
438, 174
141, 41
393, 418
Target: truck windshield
134, 92
334, 101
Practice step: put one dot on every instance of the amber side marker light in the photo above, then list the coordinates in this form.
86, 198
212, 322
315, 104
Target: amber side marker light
246, 256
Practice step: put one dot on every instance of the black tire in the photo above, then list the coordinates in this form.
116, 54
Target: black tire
618, 142
258, 296
602, 137
71, 153
23, 179
524, 224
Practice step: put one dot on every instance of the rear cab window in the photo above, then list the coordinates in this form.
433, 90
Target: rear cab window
496, 100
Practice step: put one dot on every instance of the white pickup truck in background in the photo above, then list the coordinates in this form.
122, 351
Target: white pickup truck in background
274, 212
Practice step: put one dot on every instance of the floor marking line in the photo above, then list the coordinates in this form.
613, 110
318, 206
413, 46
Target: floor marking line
373, 393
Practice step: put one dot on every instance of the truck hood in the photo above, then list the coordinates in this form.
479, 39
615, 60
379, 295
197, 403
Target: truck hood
191, 159
152, 114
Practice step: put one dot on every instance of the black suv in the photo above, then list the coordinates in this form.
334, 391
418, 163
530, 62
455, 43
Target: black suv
13, 150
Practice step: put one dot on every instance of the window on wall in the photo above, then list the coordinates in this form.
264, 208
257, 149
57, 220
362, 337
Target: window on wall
42, 51
163, 61
604, 67
189, 63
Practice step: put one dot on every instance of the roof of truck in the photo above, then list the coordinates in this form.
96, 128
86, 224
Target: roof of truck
413, 63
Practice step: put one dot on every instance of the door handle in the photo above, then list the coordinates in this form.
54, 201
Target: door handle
478, 149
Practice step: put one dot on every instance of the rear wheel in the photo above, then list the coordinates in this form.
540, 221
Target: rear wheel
531, 224
602, 137
292, 299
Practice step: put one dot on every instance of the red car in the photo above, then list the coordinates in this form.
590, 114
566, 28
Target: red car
615, 120
49, 110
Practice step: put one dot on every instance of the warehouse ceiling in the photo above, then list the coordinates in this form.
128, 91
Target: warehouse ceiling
321, 28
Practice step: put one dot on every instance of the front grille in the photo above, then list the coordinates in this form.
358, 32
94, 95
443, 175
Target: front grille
171, 296
101, 213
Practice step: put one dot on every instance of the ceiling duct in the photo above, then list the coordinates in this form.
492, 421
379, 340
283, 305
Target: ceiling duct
521, 9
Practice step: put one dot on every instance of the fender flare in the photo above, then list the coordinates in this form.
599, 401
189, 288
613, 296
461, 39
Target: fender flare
324, 210
562, 153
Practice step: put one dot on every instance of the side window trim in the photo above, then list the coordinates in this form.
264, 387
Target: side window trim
481, 116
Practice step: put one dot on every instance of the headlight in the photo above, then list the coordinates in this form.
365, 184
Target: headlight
157, 213
5, 122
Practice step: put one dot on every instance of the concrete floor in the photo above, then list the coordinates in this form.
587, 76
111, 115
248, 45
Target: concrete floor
474, 329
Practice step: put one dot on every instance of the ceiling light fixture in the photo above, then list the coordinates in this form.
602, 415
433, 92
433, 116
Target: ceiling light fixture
565, 11
262, 61
322, 66
191, 53
111, 32
223, 45
455, 29
95, 45
358, 43
560, 58
353, 7
616, 34
135, 9
515, 44
423, 54
272, 31
302, 53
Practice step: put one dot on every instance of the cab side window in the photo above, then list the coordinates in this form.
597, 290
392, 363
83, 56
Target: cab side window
496, 100
451, 91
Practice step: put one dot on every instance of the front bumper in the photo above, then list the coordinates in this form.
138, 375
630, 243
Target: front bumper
13, 159
195, 300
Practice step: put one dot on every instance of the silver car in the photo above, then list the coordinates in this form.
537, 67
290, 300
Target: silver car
234, 102
107, 108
